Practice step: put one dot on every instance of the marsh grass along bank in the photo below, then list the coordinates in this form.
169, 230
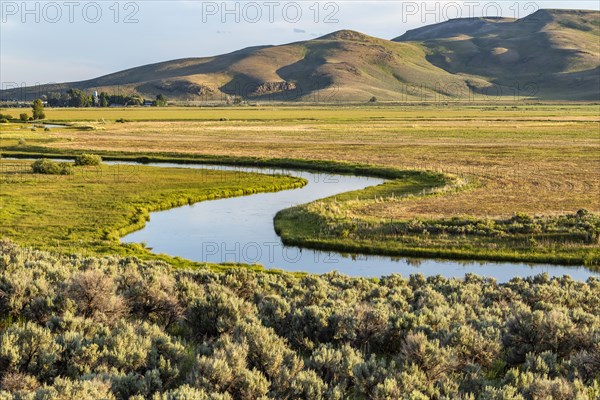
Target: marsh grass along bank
339, 223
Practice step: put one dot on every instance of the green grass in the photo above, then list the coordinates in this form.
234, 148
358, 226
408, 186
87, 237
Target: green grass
337, 224
89, 211
337, 167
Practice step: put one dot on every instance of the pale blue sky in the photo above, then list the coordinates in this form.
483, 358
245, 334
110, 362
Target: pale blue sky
67, 45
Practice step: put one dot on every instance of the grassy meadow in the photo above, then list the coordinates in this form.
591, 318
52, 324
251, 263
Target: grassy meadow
539, 161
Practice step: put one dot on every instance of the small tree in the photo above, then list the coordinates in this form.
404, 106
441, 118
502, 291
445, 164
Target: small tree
38, 109
104, 99
24, 117
160, 101
373, 99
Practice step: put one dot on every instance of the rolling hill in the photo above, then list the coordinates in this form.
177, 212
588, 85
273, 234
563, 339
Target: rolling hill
550, 55
556, 52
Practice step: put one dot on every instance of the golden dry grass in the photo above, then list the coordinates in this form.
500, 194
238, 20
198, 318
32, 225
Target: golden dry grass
540, 160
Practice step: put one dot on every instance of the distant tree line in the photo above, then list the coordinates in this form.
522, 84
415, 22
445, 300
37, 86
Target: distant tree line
80, 98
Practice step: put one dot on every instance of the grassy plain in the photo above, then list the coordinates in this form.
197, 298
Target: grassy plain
538, 160
533, 159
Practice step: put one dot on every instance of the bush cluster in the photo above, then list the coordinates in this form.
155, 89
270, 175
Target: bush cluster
88, 159
50, 167
120, 328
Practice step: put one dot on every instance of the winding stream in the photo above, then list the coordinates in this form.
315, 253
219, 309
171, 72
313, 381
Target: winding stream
240, 229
